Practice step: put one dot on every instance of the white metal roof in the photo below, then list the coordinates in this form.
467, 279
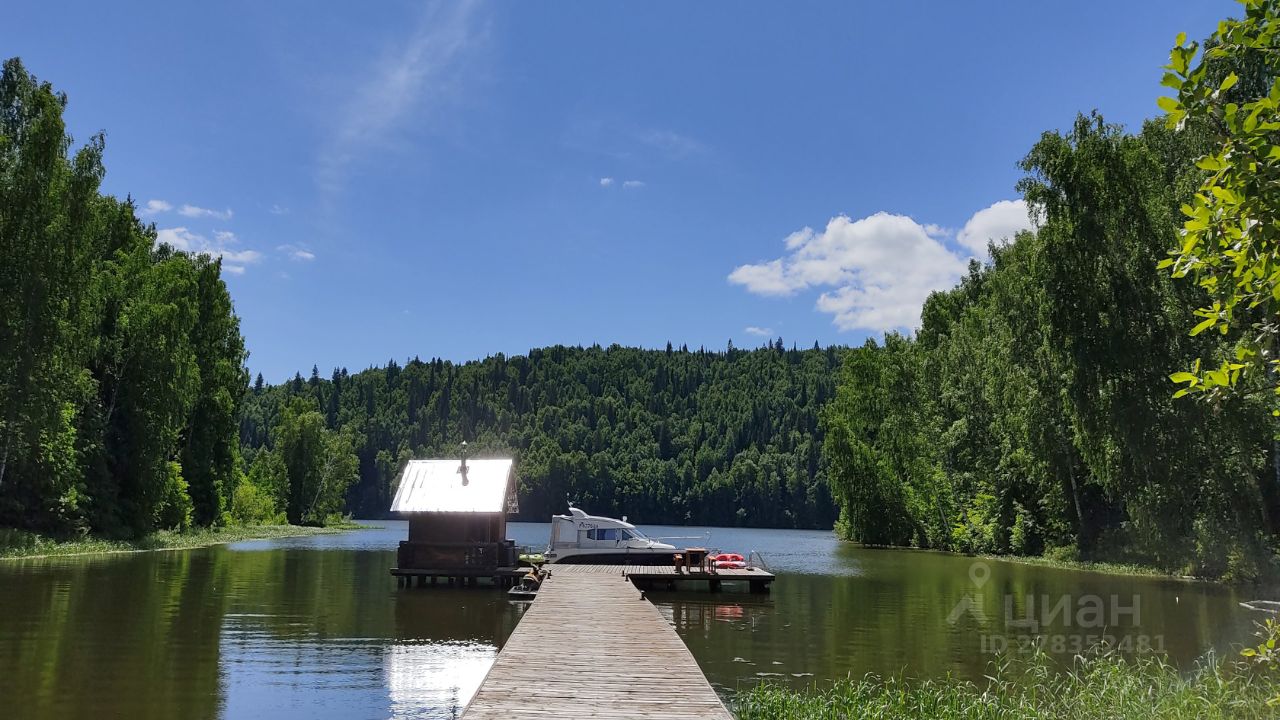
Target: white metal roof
437, 486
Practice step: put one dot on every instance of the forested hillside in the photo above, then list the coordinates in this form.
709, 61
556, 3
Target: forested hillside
663, 436
121, 362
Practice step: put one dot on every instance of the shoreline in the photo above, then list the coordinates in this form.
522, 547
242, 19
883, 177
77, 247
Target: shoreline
1101, 567
34, 546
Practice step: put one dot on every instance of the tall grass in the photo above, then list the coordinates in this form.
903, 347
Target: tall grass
1099, 686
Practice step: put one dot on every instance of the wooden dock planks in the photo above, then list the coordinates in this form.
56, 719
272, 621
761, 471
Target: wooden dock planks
590, 647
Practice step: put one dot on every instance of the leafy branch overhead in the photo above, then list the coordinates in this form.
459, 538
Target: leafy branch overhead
1229, 89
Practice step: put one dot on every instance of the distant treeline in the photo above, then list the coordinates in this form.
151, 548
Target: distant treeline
121, 362
1033, 411
662, 436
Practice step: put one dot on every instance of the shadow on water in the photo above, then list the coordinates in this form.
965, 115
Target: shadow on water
315, 626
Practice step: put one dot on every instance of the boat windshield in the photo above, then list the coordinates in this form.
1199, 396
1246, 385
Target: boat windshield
612, 534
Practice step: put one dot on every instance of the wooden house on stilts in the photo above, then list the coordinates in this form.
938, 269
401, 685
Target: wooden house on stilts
457, 512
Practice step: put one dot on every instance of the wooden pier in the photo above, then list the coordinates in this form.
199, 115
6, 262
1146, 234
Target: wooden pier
591, 646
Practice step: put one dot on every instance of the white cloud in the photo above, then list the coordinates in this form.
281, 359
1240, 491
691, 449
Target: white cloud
938, 231
297, 252
278, 210
759, 331
233, 260
194, 211
398, 87
606, 181
155, 207
632, 184
878, 269
998, 223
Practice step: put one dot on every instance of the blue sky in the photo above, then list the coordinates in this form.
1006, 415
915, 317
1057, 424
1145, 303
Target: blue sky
394, 179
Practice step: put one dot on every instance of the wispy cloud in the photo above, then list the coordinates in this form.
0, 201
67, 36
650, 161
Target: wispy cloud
297, 252
880, 268
626, 184
624, 139
195, 211
759, 331
279, 210
407, 78
154, 207
672, 144
221, 246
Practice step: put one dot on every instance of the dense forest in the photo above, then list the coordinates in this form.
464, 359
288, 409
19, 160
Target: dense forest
663, 436
121, 362
1033, 411
1103, 387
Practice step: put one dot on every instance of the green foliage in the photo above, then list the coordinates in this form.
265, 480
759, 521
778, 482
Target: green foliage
1031, 410
121, 363
679, 436
1230, 236
173, 511
1266, 654
253, 505
269, 476
1094, 686
320, 464
881, 476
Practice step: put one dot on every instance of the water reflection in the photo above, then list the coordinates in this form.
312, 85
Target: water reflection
443, 676
922, 614
315, 627
284, 631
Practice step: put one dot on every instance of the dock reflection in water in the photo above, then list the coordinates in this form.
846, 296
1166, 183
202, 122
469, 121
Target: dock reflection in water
314, 627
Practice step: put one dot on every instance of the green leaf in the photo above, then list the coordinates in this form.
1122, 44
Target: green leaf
1228, 82
1210, 163
1180, 39
1168, 104
1203, 326
1183, 377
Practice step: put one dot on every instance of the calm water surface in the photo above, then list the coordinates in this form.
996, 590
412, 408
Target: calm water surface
315, 627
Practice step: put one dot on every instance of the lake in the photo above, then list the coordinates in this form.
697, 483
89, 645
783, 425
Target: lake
316, 627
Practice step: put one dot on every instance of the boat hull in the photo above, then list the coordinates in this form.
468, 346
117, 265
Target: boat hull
617, 558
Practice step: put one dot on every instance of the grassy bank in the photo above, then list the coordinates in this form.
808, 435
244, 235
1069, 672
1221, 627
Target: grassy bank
1096, 687
20, 544
1098, 566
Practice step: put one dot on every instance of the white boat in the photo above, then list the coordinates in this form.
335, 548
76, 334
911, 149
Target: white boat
582, 538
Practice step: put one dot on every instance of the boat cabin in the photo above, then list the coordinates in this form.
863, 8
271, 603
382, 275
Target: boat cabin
457, 511
582, 538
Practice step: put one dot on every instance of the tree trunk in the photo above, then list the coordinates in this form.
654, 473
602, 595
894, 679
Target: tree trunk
1075, 496
4, 458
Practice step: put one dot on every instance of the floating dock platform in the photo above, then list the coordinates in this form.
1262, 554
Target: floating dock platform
503, 577
645, 577
668, 577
